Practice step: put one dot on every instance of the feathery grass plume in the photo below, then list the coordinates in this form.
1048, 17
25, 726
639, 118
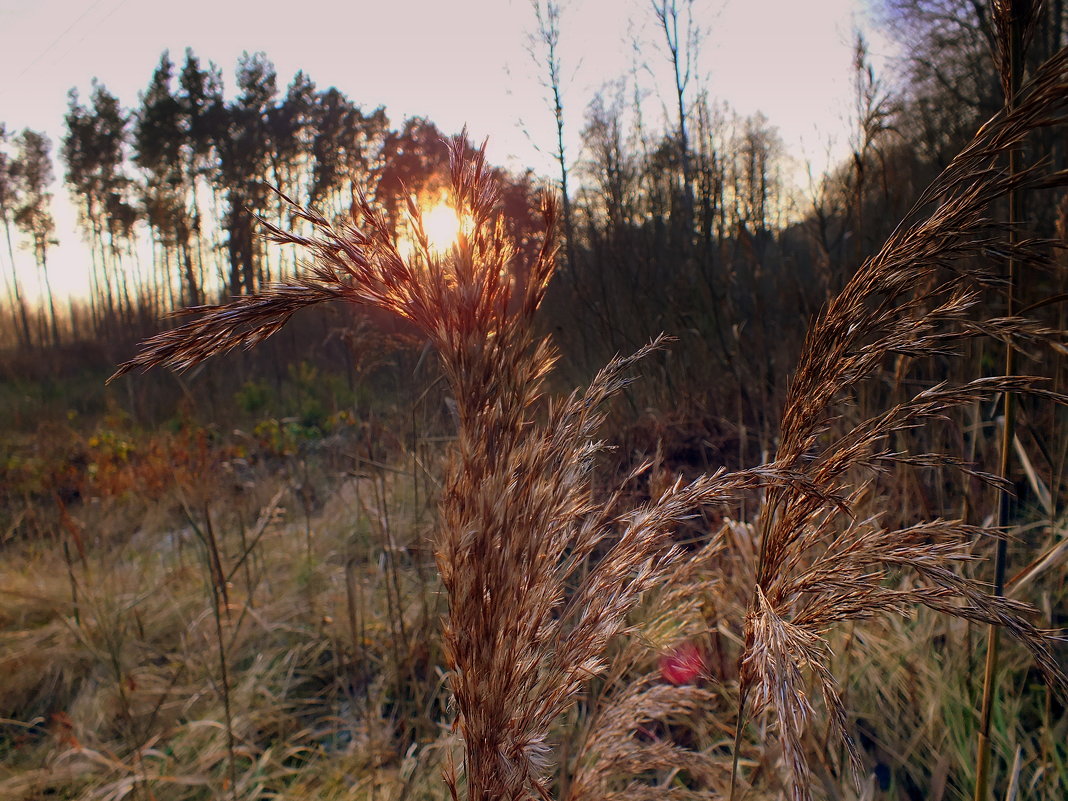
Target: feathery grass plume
528, 623
1012, 20
818, 567
614, 751
642, 722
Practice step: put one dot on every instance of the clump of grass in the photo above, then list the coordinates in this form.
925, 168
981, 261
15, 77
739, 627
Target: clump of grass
541, 573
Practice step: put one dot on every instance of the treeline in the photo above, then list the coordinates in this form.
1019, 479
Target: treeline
694, 226
168, 193
26, 203
694, 230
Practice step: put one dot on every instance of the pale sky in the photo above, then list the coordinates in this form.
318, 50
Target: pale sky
452, 61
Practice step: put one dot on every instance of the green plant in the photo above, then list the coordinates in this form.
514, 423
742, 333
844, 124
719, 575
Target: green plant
253, 397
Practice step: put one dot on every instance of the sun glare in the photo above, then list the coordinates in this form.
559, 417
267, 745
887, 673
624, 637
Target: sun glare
442, 226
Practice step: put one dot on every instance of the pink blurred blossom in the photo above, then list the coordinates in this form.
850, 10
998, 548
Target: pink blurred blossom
683, 665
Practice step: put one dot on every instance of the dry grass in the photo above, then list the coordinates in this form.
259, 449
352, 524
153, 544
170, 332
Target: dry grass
118, 694
542, 573
529, 620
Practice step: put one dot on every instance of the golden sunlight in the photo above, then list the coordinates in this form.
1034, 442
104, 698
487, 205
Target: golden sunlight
442, 226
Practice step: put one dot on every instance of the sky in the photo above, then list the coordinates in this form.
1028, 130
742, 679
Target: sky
456, 62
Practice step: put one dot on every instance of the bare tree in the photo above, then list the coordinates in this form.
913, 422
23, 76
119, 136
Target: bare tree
545, 45
874, 111
753, 171
609, 166
682, 52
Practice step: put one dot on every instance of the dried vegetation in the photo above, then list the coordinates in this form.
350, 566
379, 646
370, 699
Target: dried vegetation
562, 588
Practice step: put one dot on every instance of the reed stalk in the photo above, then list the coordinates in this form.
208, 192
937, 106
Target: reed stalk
1011, 18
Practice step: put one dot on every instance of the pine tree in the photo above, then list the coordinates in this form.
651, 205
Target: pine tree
33, 215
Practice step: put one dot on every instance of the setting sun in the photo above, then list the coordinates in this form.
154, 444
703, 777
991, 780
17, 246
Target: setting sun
442, 226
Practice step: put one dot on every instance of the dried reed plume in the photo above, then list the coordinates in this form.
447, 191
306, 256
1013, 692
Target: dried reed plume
624, 738
917, 297
526, 628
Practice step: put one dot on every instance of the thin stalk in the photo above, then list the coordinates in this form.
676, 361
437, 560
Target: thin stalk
219, 598
739, 726
73, 585
1008, 433
224, 678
